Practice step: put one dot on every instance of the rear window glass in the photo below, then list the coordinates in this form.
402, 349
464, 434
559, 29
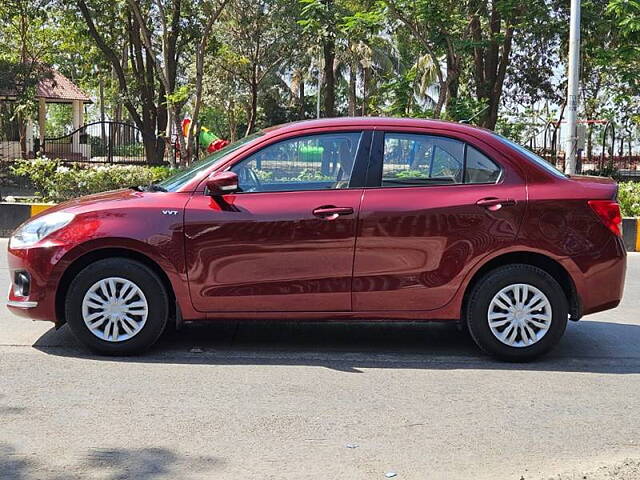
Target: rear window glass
417, 159
533, 157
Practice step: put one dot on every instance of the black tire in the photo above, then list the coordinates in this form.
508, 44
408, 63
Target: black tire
479, 300
145, 279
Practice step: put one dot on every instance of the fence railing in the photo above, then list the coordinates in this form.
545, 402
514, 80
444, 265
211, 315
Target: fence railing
619, 165
98, 142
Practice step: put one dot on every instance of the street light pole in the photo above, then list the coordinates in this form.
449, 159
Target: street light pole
571, 149
319, 86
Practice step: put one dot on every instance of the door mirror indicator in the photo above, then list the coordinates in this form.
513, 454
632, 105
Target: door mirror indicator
222, 183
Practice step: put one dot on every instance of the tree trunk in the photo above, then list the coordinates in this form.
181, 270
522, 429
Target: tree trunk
149, 142
492, 112
103, 133
453, 76
442, 98
301, 109
621, 147
329, 54
253, 107
353, 68
365, 89
231, 116
22, 136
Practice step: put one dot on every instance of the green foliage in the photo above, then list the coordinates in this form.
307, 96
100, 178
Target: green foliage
512, 128
411, 174
465, 108
264, 175
606, 171
264, 59
59, 119
57, 182
309, 174
629, 198
130, 150
21, 80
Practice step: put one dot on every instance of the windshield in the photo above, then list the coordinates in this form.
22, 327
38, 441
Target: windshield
533, 157
176, 181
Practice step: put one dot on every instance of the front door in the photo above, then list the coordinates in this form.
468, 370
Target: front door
432, 213
286, 241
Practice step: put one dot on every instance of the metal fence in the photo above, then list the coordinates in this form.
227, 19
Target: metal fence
94, 143
612, 152
99, 142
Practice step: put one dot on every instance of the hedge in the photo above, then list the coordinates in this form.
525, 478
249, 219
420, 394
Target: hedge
56, 182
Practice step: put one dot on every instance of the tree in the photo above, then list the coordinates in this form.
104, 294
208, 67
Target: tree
255, 42
320, 19
21, 67
117, 34
181, 24
439, 28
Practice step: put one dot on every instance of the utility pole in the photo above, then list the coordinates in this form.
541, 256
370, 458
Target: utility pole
571, 149
319, 86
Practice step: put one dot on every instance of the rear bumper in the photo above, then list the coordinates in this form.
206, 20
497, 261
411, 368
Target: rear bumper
599, 276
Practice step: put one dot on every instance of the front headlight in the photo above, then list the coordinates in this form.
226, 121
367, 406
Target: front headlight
33, 231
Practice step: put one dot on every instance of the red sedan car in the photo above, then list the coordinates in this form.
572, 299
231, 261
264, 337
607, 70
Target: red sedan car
359, 218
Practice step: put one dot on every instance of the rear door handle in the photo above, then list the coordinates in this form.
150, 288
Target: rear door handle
494, 204
330, 212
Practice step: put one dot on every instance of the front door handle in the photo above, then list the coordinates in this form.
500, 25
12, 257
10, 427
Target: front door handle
494, 204
330, 212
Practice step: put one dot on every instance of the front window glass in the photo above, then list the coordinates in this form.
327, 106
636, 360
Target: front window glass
181, 178
313, 162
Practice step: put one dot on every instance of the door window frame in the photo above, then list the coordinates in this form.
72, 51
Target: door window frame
376, 164
360, 164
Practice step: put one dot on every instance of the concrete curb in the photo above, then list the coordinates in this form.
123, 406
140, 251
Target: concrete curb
13, 214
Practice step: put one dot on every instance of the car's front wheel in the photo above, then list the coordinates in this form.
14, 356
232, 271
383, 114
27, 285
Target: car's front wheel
117, 306
517, 312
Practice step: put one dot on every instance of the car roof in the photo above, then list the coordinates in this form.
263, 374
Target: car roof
376, 122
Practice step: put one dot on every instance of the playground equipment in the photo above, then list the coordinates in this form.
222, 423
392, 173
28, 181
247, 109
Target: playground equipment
206, 138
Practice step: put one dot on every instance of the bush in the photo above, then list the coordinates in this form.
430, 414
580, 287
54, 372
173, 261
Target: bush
57, 182
606, 171
629, 198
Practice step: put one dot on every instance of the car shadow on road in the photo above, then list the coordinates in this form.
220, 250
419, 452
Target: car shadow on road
108, 463
588, 346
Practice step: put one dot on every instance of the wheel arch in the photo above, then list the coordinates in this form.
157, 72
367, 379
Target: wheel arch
109, 252
544, 262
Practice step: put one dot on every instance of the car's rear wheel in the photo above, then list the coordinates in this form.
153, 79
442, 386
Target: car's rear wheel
117, 306
517, 312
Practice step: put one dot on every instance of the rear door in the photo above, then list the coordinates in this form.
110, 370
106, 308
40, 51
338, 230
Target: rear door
286, 241
434, 205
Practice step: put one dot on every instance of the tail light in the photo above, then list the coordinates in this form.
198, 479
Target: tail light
609, 213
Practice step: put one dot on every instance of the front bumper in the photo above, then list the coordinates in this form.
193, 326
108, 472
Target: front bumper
21, 304
44, 264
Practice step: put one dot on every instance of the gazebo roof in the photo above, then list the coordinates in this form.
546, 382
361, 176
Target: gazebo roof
60, 88
55, 89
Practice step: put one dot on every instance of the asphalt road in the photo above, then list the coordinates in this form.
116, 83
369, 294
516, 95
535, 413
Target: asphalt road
287, 401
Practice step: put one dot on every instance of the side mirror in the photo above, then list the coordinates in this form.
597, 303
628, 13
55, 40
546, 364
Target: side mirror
221, 183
